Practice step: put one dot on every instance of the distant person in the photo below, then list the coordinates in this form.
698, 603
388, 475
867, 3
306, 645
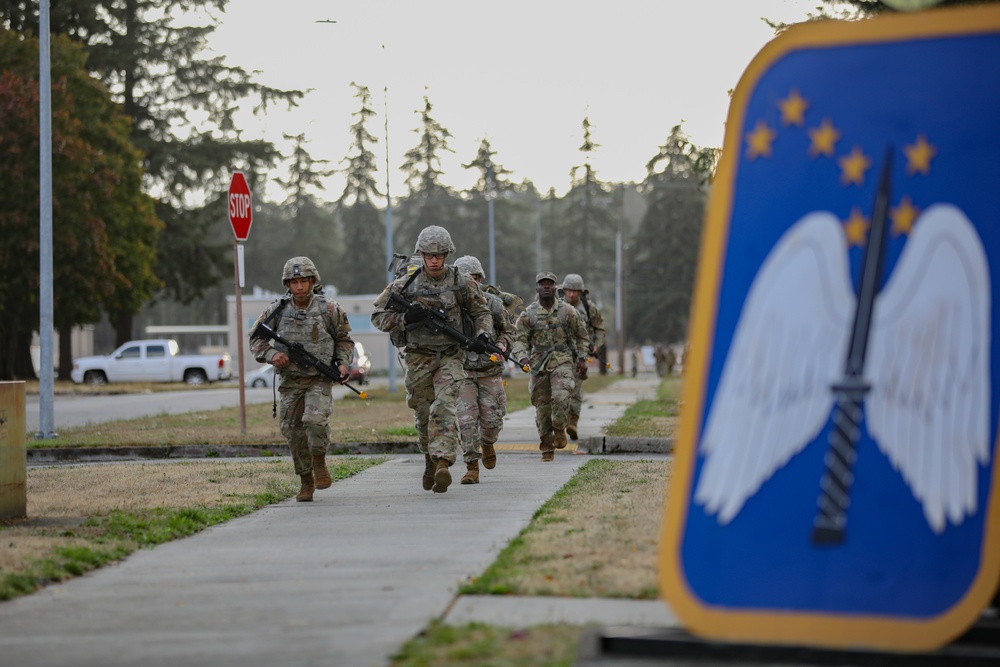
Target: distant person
635, 363
575, 294
305, 316
435, 361
551, 338
660, 355
482, 400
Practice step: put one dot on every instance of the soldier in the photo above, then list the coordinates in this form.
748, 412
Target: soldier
305, 316
435, 361
482, 401
575, 294
552, 338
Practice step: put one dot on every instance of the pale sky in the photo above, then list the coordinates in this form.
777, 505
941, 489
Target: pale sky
522, 73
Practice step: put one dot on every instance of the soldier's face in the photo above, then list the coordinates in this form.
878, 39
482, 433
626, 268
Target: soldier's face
300, 287
434, 263
546, 289
572, 295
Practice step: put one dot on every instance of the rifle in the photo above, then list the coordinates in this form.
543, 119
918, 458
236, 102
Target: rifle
303, 357
437, 321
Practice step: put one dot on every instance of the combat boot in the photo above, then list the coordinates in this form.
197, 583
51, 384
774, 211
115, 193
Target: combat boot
428, 472
571, 427
548, 456
472, 476
489, 456
320, 472
442, 477
559, 438
305, 494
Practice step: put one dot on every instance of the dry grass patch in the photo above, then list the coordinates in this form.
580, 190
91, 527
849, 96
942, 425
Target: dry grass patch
597, 537
81, 517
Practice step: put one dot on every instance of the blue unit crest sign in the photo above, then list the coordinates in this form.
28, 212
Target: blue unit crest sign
836, 478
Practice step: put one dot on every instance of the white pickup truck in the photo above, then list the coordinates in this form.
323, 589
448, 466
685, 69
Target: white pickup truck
156, 360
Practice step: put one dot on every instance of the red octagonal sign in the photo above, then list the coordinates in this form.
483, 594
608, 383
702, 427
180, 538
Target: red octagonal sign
240, 206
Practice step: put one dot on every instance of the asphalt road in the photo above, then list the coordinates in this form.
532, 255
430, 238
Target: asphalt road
82, 410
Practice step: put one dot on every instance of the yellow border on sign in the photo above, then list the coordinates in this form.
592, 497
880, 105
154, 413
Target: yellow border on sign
768, 626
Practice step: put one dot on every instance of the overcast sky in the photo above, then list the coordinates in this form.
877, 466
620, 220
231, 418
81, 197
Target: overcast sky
522, 73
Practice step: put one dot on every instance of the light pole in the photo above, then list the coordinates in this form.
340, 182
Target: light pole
490, 196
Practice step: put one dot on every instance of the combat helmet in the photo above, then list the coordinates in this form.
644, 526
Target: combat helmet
434, 240
470, 265
573, 281
298, 267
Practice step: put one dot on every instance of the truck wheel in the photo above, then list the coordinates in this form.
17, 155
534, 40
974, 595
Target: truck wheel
195, 376
95, 377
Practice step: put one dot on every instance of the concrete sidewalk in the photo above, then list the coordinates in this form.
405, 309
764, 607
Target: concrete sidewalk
346, 580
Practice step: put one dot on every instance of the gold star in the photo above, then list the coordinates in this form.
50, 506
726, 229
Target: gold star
793, 109
759, 140
824, 139
918, 156
853, 167
903, 216
856, 228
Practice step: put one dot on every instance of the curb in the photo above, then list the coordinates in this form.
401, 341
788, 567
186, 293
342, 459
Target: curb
625, 445
56, 455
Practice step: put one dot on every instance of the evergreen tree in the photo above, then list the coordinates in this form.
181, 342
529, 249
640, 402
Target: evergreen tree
587, 244
428, 201
363, 253
663, 258
104, 229
182, 107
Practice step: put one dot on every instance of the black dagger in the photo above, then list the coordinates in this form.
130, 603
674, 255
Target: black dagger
835, 486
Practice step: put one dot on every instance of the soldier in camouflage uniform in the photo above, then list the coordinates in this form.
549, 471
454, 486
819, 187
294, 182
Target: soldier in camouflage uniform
305, 316
482, 401
435, 362
575, 294
552, 338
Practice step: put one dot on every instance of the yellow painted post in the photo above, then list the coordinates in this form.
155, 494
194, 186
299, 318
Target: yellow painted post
13, 452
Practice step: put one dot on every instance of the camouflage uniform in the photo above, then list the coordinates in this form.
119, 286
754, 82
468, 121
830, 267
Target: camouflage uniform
482, 400
323, 329
553, 343
591, 315
435, 362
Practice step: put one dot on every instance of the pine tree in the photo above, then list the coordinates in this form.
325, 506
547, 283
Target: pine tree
363, 253
663, 257
429, 201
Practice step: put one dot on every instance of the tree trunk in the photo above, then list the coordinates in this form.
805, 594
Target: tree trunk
123, 327
65, 351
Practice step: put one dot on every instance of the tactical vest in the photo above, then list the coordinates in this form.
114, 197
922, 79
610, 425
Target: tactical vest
448, 293
474, 360
561, 323
313, 327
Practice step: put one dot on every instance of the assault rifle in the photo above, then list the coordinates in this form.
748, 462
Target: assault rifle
303, 357
436, 320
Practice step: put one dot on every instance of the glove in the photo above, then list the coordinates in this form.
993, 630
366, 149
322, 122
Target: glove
478, 345
415, 314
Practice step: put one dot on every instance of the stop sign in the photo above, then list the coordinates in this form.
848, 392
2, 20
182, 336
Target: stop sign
240, 206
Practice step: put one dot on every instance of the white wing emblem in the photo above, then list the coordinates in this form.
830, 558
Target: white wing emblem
928, 362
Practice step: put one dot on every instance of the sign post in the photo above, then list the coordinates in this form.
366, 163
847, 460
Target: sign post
241, 218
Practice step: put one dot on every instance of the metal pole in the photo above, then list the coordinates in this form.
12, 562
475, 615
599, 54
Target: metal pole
538, 236
388, 237
619, 285
46, 399
489, 199
237, 264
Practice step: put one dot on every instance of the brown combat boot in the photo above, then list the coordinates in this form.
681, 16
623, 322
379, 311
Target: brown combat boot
472, 476
489, 456
428, 472
571, 427
442, 477
559, 438
548, 456
305, 494
320, 472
